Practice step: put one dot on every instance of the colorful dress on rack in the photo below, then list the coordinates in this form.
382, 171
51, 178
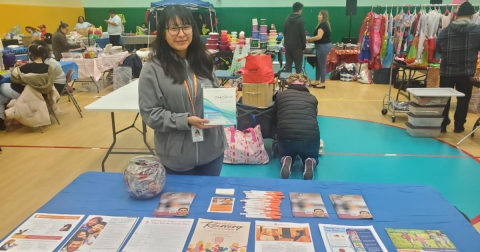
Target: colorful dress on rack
388, 59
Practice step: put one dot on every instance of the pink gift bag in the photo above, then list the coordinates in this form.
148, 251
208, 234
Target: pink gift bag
245, 147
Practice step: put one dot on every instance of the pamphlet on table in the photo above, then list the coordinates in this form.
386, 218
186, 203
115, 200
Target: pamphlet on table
221, 205
154, 233
42, 232
174, 204
351, 238
283, 236
308, 205
220, 106
219, 235
407, 240
350, 206
101, 234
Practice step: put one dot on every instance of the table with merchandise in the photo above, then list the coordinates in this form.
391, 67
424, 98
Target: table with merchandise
205, 214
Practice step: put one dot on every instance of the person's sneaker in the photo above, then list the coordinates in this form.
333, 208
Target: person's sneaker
286, 166
444, 129
308, 172
2, 124
459, 130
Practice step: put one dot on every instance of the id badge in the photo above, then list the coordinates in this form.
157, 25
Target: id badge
197, 134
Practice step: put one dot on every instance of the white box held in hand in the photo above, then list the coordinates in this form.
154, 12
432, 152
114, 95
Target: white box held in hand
219, 106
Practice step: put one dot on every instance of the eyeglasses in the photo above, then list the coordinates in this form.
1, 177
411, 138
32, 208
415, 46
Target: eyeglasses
174, 31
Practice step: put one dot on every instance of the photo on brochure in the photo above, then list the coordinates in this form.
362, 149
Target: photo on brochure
174, 204
99, 233
308, 205
219, 235
42, 232
350, 206
338, 238
407, 240
221, 205
282, 236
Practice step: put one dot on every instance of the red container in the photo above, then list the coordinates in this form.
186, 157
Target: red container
213, 47
213, 35
223, 43
224, 47
212, 41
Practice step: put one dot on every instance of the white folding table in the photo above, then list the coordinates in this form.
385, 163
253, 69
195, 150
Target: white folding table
122, 99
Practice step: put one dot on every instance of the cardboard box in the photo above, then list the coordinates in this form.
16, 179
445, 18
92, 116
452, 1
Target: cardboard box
257, 95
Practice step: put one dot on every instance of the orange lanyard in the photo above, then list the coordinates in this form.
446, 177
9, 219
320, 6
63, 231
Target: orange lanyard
194, 100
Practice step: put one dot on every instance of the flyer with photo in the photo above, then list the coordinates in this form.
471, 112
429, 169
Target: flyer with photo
154, 233
41, 232
220, 106
339, 238
221, 205
283, 236
408, 240
100, 234
350, 206
174, 204
218, 235
308, 205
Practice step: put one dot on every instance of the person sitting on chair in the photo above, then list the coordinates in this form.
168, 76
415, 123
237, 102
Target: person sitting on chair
60, 78
295, 119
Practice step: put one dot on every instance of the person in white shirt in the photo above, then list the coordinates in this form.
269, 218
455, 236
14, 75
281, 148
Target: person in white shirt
82, 24
114, 28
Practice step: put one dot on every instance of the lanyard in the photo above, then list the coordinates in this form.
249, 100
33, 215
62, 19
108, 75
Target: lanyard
194, 100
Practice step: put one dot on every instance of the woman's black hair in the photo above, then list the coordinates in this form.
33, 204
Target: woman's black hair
80, 231
78, 19
197, 57
62, 26
43, 44
38, 51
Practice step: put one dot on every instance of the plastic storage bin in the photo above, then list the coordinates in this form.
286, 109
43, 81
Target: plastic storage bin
427, 101
422, 131
425, 121
425, 110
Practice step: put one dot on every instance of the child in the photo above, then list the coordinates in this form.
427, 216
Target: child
295, 119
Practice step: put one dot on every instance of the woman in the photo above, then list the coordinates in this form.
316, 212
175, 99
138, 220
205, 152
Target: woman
171, 97
81, 234
323, 46
8, 91
60, 43
92, 222
33, 32
60, 78
82, 24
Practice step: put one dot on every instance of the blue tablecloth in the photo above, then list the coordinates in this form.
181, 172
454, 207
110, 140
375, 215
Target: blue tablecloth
104, 41
18, 50
66, 66
392, 205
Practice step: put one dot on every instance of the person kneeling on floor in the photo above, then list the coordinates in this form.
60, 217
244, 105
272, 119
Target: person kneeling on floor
295, 119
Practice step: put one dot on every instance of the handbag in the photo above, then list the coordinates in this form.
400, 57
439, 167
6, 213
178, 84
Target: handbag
258, 69
245, 147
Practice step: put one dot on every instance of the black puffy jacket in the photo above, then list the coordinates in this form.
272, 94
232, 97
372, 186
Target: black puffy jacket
295, 114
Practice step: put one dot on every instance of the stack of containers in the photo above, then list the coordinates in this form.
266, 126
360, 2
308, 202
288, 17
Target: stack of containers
426, 108
255, 42
272, 40
233, 40
212, 42
224, 44
241, 40
263, 34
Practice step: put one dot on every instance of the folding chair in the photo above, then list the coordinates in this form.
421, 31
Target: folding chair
70, 96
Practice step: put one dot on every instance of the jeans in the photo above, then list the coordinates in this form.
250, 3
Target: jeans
294, 148
322, 51
211, 169
462, 84
115, 40
6, 93
294, 55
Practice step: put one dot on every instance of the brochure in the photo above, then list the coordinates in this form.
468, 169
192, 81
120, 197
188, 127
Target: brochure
41, 232
218, 235
174, 204
407, 240
100, 234
220, 106
350, 206
283, 236
221, 205
351, 238
308, 205
154, 233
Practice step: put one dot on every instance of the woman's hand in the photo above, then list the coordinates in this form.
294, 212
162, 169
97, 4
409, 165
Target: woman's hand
309, 40
199, 122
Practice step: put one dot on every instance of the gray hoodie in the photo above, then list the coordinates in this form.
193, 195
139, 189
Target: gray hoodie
165, 107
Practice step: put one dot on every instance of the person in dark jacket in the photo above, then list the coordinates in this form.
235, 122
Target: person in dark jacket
60, 43
458, 45
295, 40
298, 134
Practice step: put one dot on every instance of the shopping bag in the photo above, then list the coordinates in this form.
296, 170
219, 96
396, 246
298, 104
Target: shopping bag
245, 147
259, 69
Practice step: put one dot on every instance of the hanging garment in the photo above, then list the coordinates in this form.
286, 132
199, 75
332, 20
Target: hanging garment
383, 50
364, 43
422, 36
365, 54
375, 37
412, 52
